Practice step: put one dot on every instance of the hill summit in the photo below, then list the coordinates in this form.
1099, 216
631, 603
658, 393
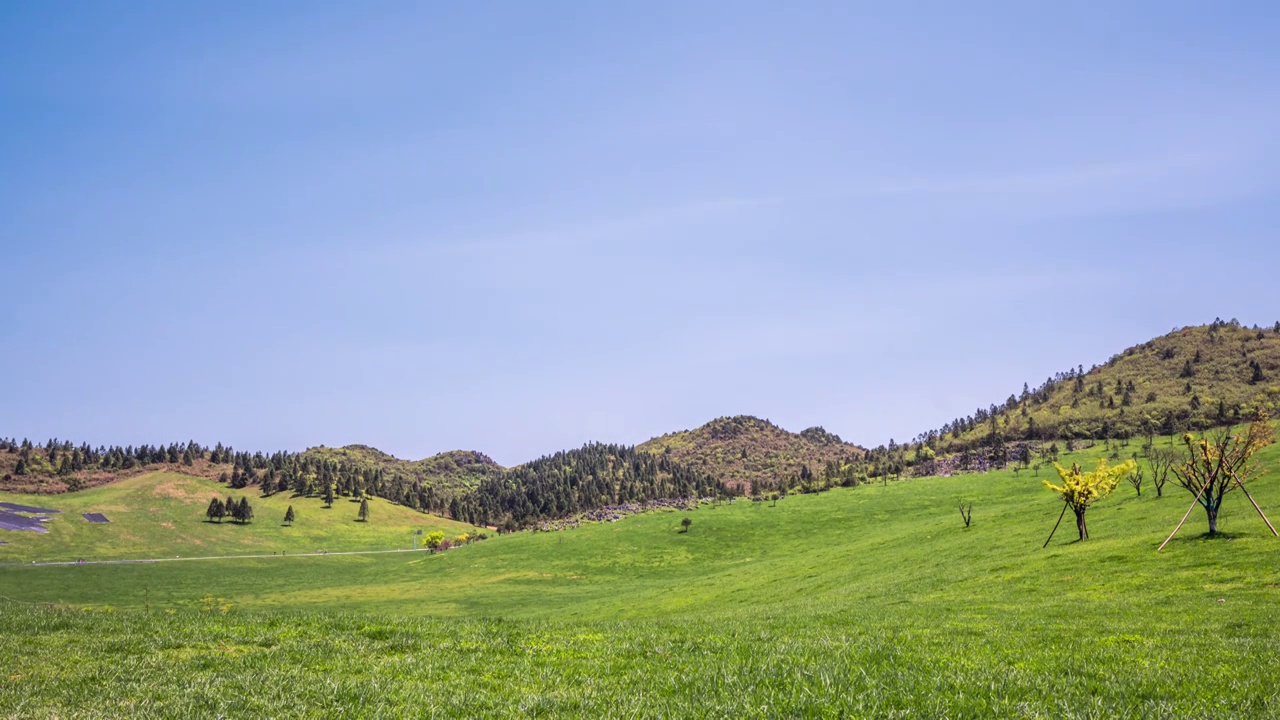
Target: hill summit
451, 471
744, 450
1190, 379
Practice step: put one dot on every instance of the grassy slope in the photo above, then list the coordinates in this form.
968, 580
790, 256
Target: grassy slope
870, 601
771, 452
833, 550
162, 515
1156, 367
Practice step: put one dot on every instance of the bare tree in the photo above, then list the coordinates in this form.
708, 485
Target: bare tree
1161, 461
1136, 477
1218, 463
966, 512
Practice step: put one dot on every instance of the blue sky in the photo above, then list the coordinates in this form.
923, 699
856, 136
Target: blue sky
518, 227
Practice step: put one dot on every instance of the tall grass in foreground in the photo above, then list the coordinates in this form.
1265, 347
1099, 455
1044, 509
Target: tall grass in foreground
60, 663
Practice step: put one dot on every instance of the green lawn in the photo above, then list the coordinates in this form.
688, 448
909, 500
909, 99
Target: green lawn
863, 602
162, 515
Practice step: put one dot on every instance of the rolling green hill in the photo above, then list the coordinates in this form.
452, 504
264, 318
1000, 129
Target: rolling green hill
745, 450
871, 601
162, 514
1190, 379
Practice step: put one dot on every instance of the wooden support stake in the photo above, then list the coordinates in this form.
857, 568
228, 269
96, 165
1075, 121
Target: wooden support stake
1184, 518
1255, 505
1055, 525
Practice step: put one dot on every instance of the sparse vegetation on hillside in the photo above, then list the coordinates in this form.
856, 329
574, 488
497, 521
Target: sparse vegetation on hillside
756, 455
1192, 379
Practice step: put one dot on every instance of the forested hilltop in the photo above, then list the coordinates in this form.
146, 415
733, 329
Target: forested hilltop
754, 455
60, 466
1192, 379
574, 481
428, 485
451, 472
462, 485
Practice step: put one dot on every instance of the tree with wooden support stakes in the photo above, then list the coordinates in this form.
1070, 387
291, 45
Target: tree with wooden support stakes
1218, 463
1079, 490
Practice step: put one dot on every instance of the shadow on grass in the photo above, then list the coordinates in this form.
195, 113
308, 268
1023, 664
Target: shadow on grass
1218, 536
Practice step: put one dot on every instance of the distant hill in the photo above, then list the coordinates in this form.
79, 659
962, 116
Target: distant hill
1190, 379
58, 466
449, 472
162, 514
570, 482
461, 484
743, 450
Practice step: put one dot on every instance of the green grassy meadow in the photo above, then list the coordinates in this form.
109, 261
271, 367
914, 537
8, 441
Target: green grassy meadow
872, 601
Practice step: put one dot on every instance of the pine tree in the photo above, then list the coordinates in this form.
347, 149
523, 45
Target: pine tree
216, 511
245, 510
288, 516
364, 510
328, 495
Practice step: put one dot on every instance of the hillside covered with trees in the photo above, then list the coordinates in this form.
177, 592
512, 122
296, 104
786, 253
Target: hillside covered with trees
1191, 379
452, 471
461, 485
747, 452
573, 481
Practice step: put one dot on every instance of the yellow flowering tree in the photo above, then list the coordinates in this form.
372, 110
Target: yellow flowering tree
1080, 489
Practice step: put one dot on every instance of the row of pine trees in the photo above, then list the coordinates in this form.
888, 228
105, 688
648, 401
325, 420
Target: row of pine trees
239, 511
